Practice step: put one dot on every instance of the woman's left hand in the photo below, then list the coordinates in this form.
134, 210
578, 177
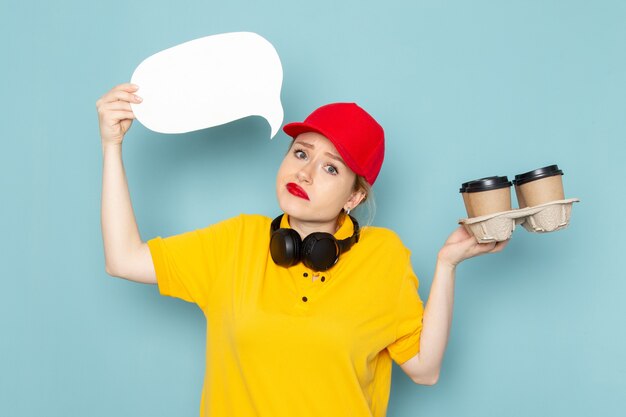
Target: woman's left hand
461, 246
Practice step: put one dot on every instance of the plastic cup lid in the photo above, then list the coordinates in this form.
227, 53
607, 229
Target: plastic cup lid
537, 174
487, 184
465, 184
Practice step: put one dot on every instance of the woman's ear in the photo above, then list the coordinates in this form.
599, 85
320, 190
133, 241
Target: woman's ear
355, 199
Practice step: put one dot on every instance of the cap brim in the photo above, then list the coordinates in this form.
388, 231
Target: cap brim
297, 128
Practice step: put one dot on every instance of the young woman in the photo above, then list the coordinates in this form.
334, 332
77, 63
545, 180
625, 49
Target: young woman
304, 312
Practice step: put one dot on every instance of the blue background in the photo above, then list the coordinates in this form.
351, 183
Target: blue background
464, 89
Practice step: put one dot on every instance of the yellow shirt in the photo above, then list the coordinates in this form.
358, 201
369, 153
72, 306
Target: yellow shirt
288, 341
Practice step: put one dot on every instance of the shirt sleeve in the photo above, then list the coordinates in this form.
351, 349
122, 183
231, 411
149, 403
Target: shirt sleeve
409, 314
188, 263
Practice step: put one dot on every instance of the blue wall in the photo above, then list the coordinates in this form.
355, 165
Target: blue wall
464, 89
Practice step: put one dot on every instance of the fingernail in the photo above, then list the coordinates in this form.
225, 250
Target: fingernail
134, 86
138, 98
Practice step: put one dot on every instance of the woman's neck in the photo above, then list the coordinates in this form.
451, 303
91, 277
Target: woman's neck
305, 228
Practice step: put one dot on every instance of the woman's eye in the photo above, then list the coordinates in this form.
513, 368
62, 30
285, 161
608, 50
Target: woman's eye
299, 154
331, 170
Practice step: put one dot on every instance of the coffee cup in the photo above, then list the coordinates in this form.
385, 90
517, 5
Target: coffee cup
466, 200
486, 196
539, 186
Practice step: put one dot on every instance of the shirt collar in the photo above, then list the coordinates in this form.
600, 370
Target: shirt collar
346, 227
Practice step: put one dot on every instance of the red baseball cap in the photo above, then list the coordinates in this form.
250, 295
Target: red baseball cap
359, 139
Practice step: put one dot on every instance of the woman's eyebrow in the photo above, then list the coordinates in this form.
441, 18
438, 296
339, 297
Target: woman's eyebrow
311, 146
305, 144
335, 157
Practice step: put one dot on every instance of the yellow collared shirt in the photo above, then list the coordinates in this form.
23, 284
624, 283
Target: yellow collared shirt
290, 341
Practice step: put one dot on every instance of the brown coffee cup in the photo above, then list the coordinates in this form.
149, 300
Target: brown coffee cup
466, 199
539, 186
486, 196
468, 208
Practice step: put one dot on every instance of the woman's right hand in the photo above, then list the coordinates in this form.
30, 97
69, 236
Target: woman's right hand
115, 114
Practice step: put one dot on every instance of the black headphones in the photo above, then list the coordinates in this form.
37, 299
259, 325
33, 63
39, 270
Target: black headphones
319, 251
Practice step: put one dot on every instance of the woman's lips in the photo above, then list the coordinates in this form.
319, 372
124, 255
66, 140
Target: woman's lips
296, 190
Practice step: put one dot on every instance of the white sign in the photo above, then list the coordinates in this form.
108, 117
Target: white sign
210, 81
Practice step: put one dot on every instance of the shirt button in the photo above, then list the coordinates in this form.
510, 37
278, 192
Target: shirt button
305, 275
305, 299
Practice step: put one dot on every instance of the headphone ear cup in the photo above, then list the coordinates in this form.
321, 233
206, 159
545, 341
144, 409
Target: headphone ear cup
286, 247
320, 251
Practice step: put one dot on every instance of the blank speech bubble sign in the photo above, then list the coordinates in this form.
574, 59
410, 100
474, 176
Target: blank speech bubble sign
210, 81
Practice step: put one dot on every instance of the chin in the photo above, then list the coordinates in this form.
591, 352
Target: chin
296, 207
292, 208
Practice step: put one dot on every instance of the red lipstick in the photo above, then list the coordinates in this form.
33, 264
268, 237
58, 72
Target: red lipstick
296, 190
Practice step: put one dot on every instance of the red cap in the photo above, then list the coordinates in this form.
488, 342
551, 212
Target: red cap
359, 139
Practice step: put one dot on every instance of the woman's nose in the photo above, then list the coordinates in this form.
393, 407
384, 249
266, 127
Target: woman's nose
305, 174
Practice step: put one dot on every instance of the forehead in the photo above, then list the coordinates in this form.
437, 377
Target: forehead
317, 140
